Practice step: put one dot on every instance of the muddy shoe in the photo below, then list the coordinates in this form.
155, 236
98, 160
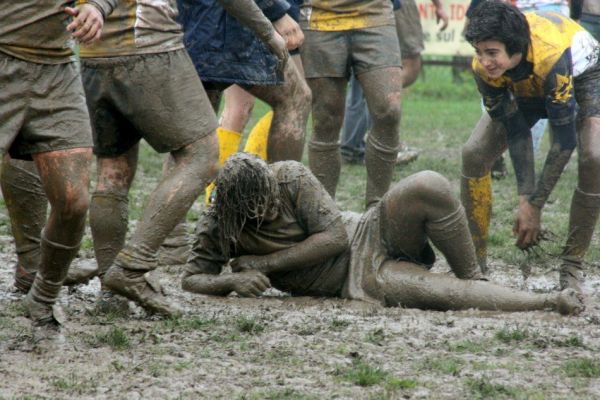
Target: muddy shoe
139, 287
47, 321
81, 272
570, 302
570, 277
406, 156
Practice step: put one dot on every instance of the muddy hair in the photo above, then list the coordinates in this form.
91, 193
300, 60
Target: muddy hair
246, 190
496, 20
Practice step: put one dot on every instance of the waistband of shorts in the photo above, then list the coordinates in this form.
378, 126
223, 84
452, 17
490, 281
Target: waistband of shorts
128, 60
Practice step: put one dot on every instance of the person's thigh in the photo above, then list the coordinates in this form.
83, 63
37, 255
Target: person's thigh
327, 107
326, 54
374, 48
57, 118
15, 80
409, 29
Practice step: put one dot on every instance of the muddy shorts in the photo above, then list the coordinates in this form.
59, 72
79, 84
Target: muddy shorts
410, 31
587, 93
42, 108
336, 54
157, 97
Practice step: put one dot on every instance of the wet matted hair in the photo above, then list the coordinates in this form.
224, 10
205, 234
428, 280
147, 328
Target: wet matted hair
496, 20
246, 189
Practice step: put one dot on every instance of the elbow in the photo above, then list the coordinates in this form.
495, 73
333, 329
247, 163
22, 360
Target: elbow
339, 239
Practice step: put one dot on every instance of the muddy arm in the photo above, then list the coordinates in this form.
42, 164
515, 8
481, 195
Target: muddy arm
314, 249
246, 284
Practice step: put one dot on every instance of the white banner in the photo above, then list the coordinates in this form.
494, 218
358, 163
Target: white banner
449, 42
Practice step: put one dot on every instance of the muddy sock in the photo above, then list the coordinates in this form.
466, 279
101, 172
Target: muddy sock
176, 247
259, 136
451, 236
410, 286
476, 197
380, 160
27, 207
585, 209
108, 222
325, 163
136, 260
53, 270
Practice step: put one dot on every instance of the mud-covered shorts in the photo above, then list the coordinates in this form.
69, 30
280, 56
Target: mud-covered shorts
336, 54
42, 108
410, 31
157, 97
587, 93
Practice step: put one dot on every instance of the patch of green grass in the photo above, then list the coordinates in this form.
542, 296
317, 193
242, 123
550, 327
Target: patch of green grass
249, 325
338, 324
508, 335
72, 383
376, 336
572, 341
393, 384
116, 338
362, 373
157, 369
468, 346
445, 365
582, 367
483, 388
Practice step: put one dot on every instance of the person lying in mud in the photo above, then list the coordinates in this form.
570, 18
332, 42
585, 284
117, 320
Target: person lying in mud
531, 66
276, 225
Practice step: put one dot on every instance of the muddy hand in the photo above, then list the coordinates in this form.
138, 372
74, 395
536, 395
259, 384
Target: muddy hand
278, 47
250, 283
290, 30
87, 23
527, 226
440, 15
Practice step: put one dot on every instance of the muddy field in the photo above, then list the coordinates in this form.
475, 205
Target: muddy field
279, 347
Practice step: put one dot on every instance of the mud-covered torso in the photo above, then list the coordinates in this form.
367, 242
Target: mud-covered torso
341, 15
138, 27
35, 30
305, 209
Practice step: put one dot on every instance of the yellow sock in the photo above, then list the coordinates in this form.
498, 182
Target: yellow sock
229, 142
479, 191
259, 136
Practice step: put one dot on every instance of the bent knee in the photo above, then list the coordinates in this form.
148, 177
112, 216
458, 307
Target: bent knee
74, 205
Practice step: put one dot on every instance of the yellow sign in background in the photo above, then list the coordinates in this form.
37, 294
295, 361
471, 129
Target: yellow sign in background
449, 42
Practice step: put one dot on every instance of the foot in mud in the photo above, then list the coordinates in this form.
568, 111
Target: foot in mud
406, 155
570, 277
47, 321
570, 302
174, 255
141, 288
80, 273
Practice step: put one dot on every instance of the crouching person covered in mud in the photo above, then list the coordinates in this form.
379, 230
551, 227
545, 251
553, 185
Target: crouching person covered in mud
531, 66
277, 226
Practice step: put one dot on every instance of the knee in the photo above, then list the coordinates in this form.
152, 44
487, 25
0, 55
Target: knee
473, 159
429, 187
387, 113
74, 205
589, 159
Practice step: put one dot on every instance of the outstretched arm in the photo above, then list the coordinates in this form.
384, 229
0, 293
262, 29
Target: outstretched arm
246, 283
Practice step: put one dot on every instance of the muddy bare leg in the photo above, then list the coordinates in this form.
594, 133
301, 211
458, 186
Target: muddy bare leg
324, 157
585, 205
408, 285
65, 178
291, 106
486, 144
422, 207
382, 89
27, 207
109, 205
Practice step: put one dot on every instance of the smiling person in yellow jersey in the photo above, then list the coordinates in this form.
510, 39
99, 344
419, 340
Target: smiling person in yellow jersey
531, 66
343, 36
43, 118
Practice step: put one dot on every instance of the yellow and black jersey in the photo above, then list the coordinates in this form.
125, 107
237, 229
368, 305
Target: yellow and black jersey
542, 84
343, 15
138, 27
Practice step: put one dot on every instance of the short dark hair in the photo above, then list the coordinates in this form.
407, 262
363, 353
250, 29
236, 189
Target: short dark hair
496, 20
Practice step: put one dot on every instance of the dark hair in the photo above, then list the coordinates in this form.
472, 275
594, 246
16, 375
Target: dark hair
246, 188
496, 20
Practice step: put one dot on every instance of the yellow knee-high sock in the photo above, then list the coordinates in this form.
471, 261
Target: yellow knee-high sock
476, 196
229, 142
259, 136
